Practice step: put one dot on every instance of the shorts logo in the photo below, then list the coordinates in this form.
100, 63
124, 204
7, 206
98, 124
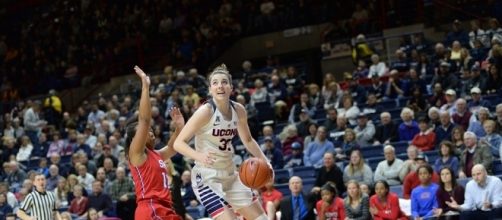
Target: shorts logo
198, 179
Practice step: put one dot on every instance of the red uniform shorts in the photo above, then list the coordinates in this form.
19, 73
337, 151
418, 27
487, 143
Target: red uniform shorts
149, 210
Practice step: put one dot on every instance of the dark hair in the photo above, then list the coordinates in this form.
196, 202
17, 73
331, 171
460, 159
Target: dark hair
423, 120
330, 187
453, 179
385, 185
130, 132
426, 167
450, 146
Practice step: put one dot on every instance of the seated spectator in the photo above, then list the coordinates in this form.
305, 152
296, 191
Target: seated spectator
304, 106
349, 110
311, 135
349, 143
388, 169
417, 101
365, 189
386, 132
482, 196
498, 119
15, 176
303, 124
56, 145
395, 86
357, 169
423, 198
296, 157
330, 123
316, 149
85, 178
437, 99
385, 204
409, 127
491, 138
298, 205
42, 167
53, 178
411, 163
273, 154
415, 82
354, 90
371, 106
270, 199
100, 201
445, 77
25, 149
444, 130
11, 198
105, 182
9, 148
493, 83
5, 208
122, 191
457, 138
377, 87
329, 172
447, 158
289, 136
450, 98
332, 96
377, 68
402, 64
361, 70
433, 116
330, 206
448, 189
477, 121
364, 130
92, 214
426, 139
474, 153
356, 203
476, 80
107, 153
79, 204
477, 101
61, 192
413, 179
269, 131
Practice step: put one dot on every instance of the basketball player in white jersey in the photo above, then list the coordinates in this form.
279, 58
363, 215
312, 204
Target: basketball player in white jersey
215, 180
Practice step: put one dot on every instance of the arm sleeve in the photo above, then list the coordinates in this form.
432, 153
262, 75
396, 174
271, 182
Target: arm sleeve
28, 202
368, 175
414, 207
468, 200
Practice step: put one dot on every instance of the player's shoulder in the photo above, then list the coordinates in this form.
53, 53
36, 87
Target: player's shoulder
239, 108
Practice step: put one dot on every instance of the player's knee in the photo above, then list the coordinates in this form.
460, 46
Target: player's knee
262, 217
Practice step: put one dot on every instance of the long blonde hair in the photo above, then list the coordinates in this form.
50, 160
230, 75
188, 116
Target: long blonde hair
359, 194
359, 166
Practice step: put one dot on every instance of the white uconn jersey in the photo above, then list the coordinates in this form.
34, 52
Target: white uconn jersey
216, 136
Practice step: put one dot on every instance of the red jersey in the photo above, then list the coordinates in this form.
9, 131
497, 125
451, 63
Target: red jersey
151, 180
275, 195
335, 210
390, 209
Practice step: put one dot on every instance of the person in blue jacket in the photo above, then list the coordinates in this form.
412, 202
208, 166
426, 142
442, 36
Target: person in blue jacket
424, 203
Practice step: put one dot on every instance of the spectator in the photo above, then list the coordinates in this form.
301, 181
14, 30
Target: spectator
493, 82
271, 199
312, 129
5, 208
491, 138
498, 119
122, 191
53, 178
448, 189
316, 149
364, 130
462, 116
15, 176
85, 178
395, 87
482, 196
57, 145
361, 50
417, 101
476, 80
298, 205
357, 169
457, 34
423, 198
371, 107
332, 96
356, 203
445, 77
377, 67
443, 131
25, 150
296, 157
79, 204
354, 90
438, 99
349, 111
269, 131
349, 143
273, 154
82, 146
411, 163
291, 136
477, 101
96, 116
11, 198
276, 89
107, 153
115, 147
477, 121
40, 203
187, 193
414, 179
388, 169
303, 124
426, 139
304, 106
385, 204
451, 98
433, 116
409, 127
386, 132
330, 206
329, 173
100, 201
402, 63
105, 182
473, 154
457, 138
42, 167
478, 34
61, 191
32, 123
446, 158
378, 88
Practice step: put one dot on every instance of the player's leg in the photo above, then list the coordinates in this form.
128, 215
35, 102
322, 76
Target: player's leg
271, 210
243, 200
253, 211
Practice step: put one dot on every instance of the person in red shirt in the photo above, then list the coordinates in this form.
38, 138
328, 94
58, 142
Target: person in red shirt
384, 205
411, 180
270, 198
146, 164
330, 207
79, 204
426, 139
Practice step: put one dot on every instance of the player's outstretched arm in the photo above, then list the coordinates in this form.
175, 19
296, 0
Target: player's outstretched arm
245, 135
176, 116
199, 118
136, 151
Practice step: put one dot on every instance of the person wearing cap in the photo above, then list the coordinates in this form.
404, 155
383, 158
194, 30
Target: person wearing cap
457, 33
476, 80
477, 101
451, 97
304, 123
273, 154
315, 150
296, 157
446, 77
425, 140
364, 130
357, 91
412, 180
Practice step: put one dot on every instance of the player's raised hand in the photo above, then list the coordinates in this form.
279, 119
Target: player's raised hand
145, 79
177, 117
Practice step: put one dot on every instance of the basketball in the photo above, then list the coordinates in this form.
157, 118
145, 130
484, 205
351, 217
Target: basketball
255, 173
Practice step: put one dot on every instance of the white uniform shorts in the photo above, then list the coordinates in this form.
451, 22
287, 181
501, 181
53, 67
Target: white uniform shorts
220, 188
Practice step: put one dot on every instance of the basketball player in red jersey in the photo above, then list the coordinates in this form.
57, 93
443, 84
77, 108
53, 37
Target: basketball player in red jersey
147, 165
